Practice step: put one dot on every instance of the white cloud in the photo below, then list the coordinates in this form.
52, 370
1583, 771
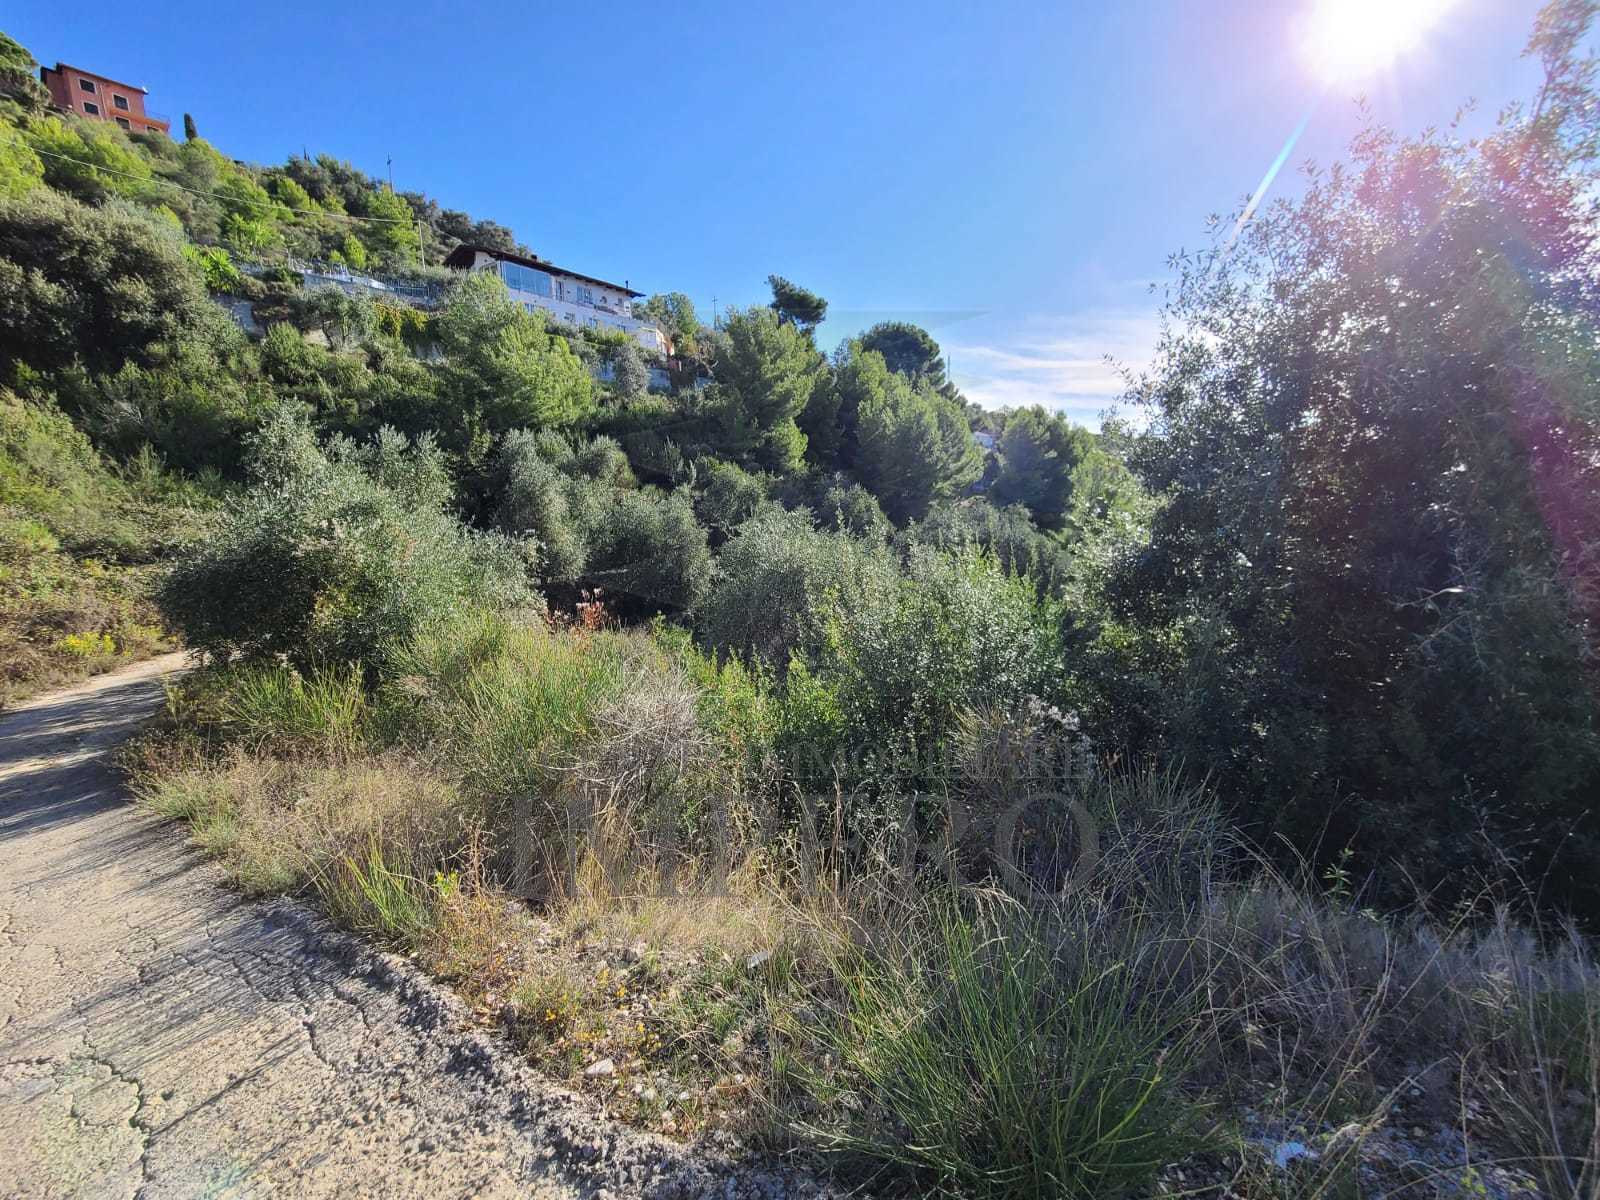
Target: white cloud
1060, 363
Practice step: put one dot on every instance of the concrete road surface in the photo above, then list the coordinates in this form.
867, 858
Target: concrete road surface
160, 1036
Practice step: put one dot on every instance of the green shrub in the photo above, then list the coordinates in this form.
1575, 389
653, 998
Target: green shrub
955, 634
729, 495
776, 580
344, 320
21, 170
89, 159
217, 267
846, 507
649, 548
97, 286
594, 527
72, 533
979, 1055
192, 408
332, 555
409, 325
1007, 533
49, 469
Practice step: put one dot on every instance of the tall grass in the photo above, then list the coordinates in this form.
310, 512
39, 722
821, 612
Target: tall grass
1124, 1008
503, 702
1537, 1058
294, 826
980, 1054
276, 707
375, 891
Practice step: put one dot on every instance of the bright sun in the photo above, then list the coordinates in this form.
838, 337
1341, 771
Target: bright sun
1348, 40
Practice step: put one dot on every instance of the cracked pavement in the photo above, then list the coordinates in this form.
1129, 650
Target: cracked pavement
162, 1037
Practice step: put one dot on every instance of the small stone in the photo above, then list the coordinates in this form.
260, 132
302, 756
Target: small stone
1286, 1152
604, 1067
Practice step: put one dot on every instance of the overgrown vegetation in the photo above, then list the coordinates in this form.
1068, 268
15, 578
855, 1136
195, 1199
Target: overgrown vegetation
78, 540
1013, 822
708, 952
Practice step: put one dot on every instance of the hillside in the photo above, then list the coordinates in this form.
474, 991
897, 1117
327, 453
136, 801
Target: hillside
1211, 799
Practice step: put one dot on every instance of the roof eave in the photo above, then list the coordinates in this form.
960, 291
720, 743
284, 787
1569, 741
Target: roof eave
539, 264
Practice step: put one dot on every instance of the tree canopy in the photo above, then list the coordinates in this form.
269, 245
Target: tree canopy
795, 305
1375, 430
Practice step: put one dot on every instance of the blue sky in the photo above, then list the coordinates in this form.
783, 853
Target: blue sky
1011, 176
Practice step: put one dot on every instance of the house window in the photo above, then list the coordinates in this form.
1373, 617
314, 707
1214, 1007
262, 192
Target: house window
525, 279
586, 296
123, 121
90, 107
119, 102
86, 85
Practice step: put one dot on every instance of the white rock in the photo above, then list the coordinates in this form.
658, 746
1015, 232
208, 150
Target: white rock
604, 1067
1285, 1153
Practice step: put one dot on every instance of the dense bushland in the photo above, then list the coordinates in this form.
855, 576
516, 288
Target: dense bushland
79, 540
1373, 576
842, 986
1013, 822
334, 553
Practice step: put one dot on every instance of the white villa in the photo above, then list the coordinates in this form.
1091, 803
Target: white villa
580, 300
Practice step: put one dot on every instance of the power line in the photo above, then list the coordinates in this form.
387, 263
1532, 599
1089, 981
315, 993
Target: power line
162, 180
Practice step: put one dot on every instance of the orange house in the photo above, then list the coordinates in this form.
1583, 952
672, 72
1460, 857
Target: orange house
90, 95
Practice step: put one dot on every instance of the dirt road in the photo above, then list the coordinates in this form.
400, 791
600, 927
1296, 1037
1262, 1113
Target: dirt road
161, 1037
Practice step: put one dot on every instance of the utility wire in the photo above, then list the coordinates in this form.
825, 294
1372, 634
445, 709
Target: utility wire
162, 180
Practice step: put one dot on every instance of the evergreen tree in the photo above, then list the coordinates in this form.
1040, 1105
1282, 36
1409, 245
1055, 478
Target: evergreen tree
391, 229
1372, 589
674, 314
910, 350
1038, 452
914, 446
765, 370
796, 305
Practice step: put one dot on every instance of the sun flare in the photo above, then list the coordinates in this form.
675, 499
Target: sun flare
1346, 41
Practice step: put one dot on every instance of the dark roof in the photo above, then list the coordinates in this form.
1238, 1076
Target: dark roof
461, 258
95, 75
